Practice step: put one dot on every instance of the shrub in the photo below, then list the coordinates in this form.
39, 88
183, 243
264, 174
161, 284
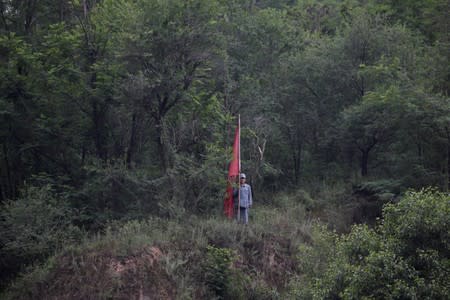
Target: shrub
405, 257
113, 192
34, 226
220, 276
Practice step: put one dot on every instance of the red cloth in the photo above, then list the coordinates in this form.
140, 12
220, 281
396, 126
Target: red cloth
233, 171
234, 165
228, 202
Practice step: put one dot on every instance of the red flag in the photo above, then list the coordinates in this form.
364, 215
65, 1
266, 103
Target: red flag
233, 171
234, 165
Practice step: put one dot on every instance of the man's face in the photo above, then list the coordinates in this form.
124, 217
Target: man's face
242, 180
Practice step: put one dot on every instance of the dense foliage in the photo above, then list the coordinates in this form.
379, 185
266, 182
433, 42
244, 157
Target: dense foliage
117, 110
405, 257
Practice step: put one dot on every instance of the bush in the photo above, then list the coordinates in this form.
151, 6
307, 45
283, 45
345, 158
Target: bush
220, 276
113, 192
418, 230
405, 257
33, 227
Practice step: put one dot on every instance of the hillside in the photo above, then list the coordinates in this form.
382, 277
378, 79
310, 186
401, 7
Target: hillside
283, 254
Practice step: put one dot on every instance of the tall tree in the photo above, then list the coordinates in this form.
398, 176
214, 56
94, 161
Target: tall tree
170, 51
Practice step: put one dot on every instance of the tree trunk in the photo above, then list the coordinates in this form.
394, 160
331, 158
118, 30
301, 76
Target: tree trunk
365, 155
85, 8
30, 15
448, 168
98, 118
447, 179
2, 191
297, 157
132, 143
61, 10
6, 188
99, 108
295, 143
2, 12
364, 161
162, 146
251, 5
83, 154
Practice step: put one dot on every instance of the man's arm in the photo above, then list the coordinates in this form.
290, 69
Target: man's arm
250, 198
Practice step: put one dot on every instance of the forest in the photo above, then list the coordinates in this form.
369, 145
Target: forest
117, 120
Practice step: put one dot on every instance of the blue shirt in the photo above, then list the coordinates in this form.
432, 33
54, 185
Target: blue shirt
246, 195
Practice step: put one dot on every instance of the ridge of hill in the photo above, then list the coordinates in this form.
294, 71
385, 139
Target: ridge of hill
285, 253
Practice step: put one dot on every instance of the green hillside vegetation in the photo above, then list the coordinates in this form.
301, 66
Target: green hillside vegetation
116, 124
284, 254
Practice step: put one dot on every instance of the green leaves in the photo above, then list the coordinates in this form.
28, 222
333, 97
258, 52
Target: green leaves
33, 227
218, 271
406, 256
421, 219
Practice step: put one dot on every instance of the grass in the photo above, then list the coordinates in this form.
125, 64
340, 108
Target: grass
167, 257
194, 257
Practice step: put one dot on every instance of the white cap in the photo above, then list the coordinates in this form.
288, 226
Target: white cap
242, 175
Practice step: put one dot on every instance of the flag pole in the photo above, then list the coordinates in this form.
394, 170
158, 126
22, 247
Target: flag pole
239, 171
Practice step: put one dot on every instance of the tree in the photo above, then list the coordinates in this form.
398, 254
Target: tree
170, 52
19, 113
28, 17
256, 83
431, 115
371, 123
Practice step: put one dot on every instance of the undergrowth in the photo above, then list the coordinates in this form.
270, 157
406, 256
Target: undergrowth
188, 258
284, 253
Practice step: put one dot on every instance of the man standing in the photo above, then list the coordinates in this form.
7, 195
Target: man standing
245, 200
